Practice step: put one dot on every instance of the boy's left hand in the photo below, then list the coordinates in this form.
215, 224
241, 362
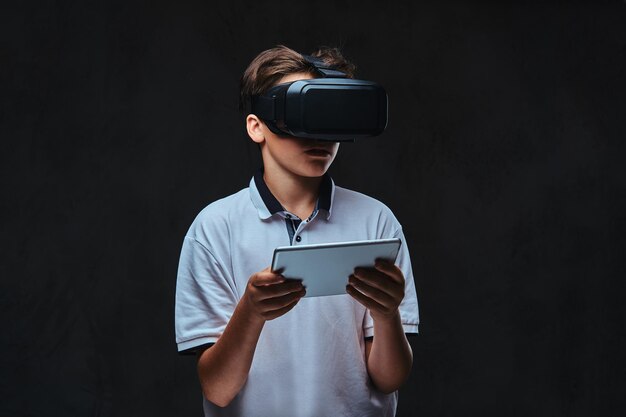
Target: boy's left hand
380, 289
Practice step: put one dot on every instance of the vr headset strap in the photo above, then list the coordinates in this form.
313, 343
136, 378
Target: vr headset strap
264, 107
322, 68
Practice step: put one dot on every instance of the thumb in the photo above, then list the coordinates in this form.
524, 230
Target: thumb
267, 276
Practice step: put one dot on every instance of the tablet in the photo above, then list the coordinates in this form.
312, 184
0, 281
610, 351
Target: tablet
325, 268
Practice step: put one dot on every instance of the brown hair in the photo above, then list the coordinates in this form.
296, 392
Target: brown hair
268, 67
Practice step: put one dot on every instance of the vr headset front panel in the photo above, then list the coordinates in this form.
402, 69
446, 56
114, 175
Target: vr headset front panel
335, 109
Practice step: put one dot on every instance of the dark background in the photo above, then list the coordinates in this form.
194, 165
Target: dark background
502, 160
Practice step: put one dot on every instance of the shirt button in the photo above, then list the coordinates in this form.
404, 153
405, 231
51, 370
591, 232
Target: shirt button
288, 216
298, 238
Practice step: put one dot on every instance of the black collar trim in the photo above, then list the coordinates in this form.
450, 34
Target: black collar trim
274, 206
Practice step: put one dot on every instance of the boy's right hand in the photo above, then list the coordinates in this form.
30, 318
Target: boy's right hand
268, 295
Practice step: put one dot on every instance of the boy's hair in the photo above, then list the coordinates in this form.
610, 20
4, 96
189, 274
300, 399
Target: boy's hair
268, 67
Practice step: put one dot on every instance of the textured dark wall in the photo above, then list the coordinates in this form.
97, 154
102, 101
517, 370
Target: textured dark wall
502, 160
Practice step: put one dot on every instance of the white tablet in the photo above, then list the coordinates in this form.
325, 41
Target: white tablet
325, 268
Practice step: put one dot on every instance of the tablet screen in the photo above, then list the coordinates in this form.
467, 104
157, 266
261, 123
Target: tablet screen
325, 268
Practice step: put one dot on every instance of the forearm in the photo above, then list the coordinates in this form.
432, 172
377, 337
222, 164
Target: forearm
390, 357
223, 368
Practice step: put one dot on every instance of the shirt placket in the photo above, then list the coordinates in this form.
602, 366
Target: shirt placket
295, 226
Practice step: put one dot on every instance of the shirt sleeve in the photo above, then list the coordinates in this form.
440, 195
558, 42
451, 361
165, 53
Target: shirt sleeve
205, 297
409, 312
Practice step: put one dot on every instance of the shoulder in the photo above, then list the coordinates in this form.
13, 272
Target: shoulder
358, 202
358, 205
218, 216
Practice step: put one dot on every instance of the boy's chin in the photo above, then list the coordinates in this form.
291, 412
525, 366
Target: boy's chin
312, 172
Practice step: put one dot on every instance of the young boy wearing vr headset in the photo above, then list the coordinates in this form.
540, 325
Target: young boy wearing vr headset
263, 349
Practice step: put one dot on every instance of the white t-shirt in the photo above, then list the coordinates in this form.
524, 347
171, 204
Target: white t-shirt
311, 361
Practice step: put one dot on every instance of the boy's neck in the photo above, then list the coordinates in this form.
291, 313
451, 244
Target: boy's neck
296, 194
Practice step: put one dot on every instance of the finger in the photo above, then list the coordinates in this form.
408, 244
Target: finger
276, 303
266, 277
278, 290
364, 300
277, 271
379, 280
381, 297
390, 269
271, 315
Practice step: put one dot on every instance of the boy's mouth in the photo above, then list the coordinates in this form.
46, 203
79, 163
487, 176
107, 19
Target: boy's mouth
317, 152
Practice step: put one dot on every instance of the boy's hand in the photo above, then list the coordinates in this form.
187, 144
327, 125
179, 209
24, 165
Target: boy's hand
268, 295
380, 289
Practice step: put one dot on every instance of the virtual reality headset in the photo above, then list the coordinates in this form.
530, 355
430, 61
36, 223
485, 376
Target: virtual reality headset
332, 108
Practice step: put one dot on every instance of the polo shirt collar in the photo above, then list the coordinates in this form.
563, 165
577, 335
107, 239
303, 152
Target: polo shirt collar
267, 205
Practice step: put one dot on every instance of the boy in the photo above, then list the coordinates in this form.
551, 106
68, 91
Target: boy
262, 349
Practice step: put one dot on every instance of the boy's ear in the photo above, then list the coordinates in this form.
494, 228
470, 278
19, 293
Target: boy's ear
255, 128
